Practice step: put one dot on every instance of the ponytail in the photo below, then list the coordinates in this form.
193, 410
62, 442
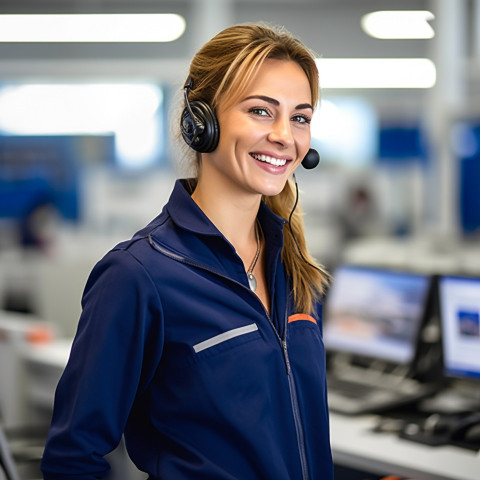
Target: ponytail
309, 280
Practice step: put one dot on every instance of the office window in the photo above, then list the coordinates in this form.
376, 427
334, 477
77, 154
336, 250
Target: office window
344, 130
130, 113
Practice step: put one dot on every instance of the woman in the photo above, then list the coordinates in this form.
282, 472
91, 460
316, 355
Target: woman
200, 338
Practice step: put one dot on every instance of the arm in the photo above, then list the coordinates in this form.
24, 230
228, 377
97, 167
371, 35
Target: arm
115, 352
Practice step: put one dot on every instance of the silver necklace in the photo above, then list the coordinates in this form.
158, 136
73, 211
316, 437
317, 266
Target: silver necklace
252, 281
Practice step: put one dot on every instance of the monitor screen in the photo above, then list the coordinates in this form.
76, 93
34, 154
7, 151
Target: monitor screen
375, 312
460, 321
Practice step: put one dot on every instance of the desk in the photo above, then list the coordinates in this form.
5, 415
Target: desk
43, 365
356, 446
18, 332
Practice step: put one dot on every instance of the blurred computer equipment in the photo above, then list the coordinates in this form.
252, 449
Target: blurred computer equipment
373, 322
452, 415
458, 303
460, 320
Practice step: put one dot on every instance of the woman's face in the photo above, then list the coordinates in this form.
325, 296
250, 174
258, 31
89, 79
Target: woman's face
266, 134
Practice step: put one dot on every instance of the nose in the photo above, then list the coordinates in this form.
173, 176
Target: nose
281, 132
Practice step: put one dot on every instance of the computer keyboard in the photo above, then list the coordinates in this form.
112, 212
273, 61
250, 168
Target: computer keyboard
354, 397
347, 387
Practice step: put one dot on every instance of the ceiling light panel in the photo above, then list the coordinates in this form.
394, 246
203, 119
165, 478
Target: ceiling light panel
91, 27
376, 73
398, 24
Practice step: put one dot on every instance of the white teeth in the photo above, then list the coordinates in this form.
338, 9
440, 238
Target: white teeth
272, 161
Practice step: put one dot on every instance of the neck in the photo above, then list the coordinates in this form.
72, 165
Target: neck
234, 215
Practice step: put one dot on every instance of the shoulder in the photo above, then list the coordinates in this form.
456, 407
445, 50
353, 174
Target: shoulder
123, 271
132, 255
120, 296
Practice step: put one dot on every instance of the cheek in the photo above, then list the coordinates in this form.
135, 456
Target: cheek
242, 141
303, 142
306, 134
234, 134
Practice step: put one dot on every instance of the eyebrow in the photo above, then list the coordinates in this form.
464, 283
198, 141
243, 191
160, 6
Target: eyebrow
276, 102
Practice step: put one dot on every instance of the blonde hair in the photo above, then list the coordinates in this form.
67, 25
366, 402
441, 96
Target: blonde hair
221, 71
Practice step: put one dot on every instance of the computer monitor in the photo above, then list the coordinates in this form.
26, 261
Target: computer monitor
460, 323
375, 313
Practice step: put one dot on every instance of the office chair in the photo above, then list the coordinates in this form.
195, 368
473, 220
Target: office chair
7, 466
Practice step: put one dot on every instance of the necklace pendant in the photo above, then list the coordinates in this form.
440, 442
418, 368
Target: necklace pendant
252, 282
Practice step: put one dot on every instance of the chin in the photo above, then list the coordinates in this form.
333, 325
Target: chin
272, 190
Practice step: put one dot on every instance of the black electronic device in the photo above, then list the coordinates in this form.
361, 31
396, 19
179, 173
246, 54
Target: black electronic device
198, 124
311, 159
460, 429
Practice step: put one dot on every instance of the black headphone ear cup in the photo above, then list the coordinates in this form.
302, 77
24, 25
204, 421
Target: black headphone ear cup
202, 131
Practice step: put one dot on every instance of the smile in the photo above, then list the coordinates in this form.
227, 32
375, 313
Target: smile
277, 162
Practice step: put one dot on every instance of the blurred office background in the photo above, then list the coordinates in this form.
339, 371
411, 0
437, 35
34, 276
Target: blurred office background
86, 157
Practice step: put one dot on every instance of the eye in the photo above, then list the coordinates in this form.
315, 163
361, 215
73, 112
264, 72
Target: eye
260, 111
302, 119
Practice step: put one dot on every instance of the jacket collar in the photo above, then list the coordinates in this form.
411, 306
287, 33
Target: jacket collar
188, 215
196, 238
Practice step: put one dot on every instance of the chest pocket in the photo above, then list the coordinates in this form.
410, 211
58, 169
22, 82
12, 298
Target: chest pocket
225, 337
226, 343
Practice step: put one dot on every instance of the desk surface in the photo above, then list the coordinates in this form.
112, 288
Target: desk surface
355, 445
53, 354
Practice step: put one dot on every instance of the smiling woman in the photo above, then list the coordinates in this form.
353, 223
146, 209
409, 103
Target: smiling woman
201, 335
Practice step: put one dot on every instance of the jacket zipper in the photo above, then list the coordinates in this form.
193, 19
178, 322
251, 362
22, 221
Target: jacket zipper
296, 413
282, 343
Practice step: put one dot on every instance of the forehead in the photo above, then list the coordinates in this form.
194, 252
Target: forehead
287, 77
283, 80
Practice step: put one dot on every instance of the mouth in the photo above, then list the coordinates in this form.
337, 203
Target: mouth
276, 162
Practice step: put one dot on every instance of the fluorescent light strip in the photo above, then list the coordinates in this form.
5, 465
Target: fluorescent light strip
376, 72
91, 28
41, 109
398, 24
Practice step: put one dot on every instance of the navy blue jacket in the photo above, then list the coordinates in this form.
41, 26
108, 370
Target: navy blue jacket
175, 351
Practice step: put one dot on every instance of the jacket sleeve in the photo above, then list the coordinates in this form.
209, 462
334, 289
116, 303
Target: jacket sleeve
319, 314
115, 352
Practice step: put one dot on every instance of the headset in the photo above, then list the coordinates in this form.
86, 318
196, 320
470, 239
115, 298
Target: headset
200, 130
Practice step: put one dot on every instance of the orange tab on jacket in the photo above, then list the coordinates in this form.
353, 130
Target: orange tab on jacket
301, 316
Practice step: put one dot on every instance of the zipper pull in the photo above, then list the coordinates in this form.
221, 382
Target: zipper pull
285, 354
